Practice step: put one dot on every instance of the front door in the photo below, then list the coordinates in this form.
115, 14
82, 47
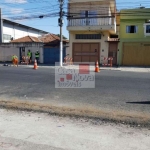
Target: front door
113, 48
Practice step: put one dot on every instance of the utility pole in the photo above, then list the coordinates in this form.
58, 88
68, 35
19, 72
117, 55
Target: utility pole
60, 21
1, 27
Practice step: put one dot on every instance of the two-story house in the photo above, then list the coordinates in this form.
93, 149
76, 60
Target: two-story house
134, 45
91, 25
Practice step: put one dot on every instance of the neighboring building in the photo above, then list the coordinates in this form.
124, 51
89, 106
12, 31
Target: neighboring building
51, 49
48, 46
48, 40
91, 25
27, 39
134, 46
10, 30
52, 40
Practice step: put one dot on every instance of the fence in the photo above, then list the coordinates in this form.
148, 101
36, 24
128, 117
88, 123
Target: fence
68, 61
109, 63
91, 22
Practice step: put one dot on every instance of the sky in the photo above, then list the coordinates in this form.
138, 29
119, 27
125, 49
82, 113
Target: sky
27, 12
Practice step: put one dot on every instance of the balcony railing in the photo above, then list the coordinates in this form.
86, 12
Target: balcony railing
91, 22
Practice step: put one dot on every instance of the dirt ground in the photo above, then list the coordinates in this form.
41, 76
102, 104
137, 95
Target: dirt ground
21, 130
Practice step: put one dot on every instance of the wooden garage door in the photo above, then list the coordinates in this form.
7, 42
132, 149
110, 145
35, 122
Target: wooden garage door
86, 52
136, 54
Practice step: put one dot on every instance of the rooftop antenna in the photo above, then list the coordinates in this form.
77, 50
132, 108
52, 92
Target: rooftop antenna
141, 7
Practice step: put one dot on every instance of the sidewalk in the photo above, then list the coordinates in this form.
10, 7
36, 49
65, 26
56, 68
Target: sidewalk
130, 69
135, 69
30, 65
122, 68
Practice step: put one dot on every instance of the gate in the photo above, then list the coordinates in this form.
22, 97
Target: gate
51, 55
86, 52
136, 54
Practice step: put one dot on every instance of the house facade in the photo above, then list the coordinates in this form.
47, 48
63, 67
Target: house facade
92, 30
10, 30
134, 45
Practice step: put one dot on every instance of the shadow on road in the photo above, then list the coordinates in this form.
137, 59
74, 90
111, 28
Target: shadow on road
142, 102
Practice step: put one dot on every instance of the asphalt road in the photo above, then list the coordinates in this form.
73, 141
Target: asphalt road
115, 90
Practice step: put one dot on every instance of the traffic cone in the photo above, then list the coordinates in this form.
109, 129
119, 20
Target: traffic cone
97, 69
35, 65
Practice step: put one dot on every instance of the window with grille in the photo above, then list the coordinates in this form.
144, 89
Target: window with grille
6, 37
88, 36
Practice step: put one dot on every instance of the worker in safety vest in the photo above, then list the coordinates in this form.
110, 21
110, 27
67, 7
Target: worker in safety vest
15, 60
37, 55
29, 54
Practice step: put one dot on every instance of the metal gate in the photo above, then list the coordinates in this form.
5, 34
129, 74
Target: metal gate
51, 55
86, 52
136, 54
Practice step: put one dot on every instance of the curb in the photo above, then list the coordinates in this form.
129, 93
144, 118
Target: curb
117, 117
147, 70
29, 66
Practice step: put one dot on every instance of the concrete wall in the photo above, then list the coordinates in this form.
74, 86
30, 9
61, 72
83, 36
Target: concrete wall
77, 8
16, 31
112, 3
7, 50
104, 46
67, 48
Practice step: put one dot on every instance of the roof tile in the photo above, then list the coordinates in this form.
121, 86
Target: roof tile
47, 38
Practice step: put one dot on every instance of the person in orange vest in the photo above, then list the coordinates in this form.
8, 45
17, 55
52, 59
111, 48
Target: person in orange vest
15, 60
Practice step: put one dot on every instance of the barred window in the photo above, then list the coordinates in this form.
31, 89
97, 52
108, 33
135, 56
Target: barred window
6, 37
88, 36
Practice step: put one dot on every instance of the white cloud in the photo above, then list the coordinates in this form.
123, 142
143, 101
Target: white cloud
5, 16
16, 1
16, 10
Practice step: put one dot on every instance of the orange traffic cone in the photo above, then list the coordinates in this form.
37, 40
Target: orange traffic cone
97, 67
35, 65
